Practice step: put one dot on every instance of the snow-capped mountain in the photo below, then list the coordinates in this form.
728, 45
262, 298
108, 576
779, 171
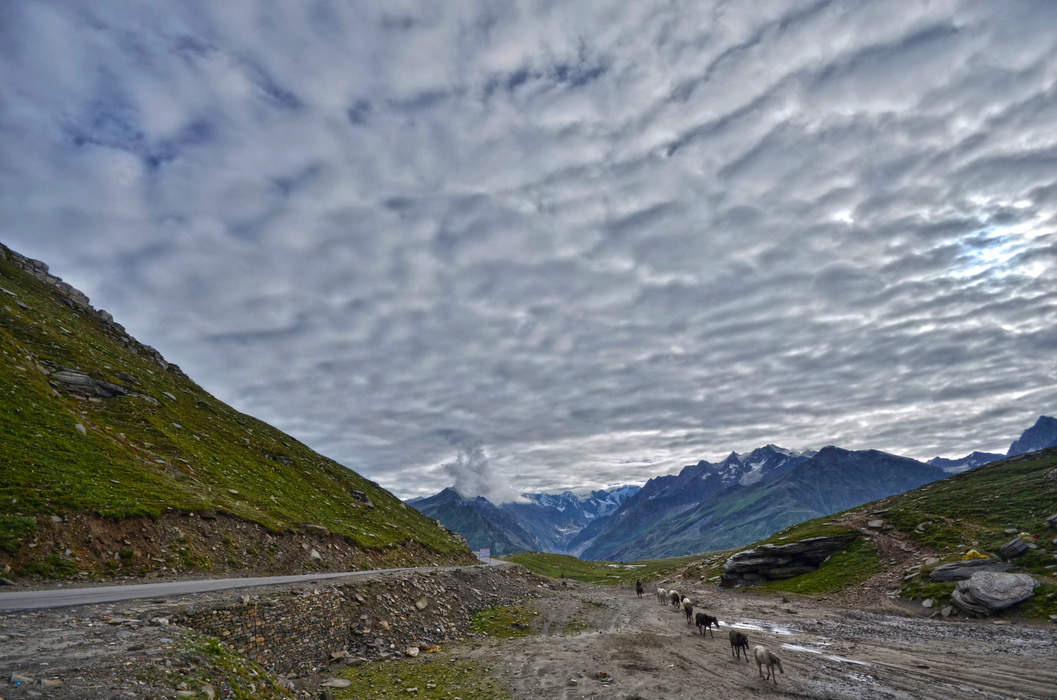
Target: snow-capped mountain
969, 461
1039, 436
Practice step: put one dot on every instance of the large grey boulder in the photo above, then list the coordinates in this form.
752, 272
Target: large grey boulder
988, 592
1014, 548
962, 570
71, 381
770, 562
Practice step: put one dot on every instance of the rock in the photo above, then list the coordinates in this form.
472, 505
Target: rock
80, 428
6, 582
315, 555
411, 651
233, 492
946, 610
185, 693
50, 682
55, 518
159, 621
384, 625
168, 396
876, 524
336, 683
411, 690
988, 592
572, 683
19, 679
770, 561
928, 603
1014, 548
208, 691
1052, 521
421, 603
1010, 531
931, 561
962, 570
71, 381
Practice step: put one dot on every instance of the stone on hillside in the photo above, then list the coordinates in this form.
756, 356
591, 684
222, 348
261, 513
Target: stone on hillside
770, 561
421, 603
876, 524
963, 570
988, 592
931, 561
80, 428
411, 651
315, 555
1052, 521
314, 529
1014, 548
336, 683
928, 603
71, 381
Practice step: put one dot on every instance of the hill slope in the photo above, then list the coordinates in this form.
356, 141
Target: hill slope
482, 524
97, 428
832, 480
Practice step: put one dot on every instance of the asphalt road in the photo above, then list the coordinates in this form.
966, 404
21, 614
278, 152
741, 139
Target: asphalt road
63, 597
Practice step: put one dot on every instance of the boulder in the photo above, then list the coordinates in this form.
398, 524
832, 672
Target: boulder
962, 570
1052, 521
876, 524
770, 562
1014, 548
988, 592
71, 381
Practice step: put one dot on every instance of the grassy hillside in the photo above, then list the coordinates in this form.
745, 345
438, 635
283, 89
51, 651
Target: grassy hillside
161, 443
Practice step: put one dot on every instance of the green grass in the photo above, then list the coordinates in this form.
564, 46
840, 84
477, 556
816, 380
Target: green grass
230, 674
621, 573
842, 570
503, 621
144, 454
434, 675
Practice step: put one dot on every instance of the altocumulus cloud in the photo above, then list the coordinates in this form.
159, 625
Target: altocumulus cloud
531, 246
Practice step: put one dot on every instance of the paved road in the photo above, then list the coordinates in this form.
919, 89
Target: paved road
62, 597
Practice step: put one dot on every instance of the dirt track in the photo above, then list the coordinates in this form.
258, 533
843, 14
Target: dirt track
601, 642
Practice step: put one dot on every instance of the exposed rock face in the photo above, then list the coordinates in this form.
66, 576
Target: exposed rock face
769, 562
1014, 548
71, 381
963, 570
988, 592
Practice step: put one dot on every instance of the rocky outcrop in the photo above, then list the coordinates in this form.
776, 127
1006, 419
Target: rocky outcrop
1016, 547
988, 592
71, 381
963, 570
770, 562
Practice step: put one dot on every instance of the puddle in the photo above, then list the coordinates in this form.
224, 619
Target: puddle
759, 626
831, 657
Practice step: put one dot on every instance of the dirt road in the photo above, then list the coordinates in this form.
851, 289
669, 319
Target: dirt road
601, 642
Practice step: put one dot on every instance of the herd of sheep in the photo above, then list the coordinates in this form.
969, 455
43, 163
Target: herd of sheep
739, 643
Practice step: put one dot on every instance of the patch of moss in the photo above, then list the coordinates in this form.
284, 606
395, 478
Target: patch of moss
54, 565
231, 674
14, 529
503, 621
433, 675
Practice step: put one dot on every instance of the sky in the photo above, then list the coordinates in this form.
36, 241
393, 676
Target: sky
537, 246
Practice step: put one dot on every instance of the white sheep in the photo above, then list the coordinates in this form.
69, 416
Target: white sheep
662, 595
688, 610
766, 658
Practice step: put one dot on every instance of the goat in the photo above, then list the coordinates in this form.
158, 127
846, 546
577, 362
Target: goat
688, 610
705, 621
766, 658
739, 645
639, 590
662, 596
674, 598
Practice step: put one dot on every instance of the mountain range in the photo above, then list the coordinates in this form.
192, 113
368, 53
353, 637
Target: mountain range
706, 506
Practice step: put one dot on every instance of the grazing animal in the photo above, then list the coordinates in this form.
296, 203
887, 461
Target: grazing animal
688, 610
674, 598
739, 644
705, 621
639, 590
766, 658
662, 596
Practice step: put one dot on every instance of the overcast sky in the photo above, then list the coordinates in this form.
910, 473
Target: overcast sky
538, 246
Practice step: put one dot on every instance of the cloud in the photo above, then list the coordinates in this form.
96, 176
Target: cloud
516, 246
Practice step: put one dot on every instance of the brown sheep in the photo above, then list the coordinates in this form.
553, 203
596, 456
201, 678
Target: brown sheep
739, 645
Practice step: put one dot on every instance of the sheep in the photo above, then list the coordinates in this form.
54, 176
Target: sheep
688, 610
662, 596
739, 645
705, 621
674, 598
766, 658
639, 590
